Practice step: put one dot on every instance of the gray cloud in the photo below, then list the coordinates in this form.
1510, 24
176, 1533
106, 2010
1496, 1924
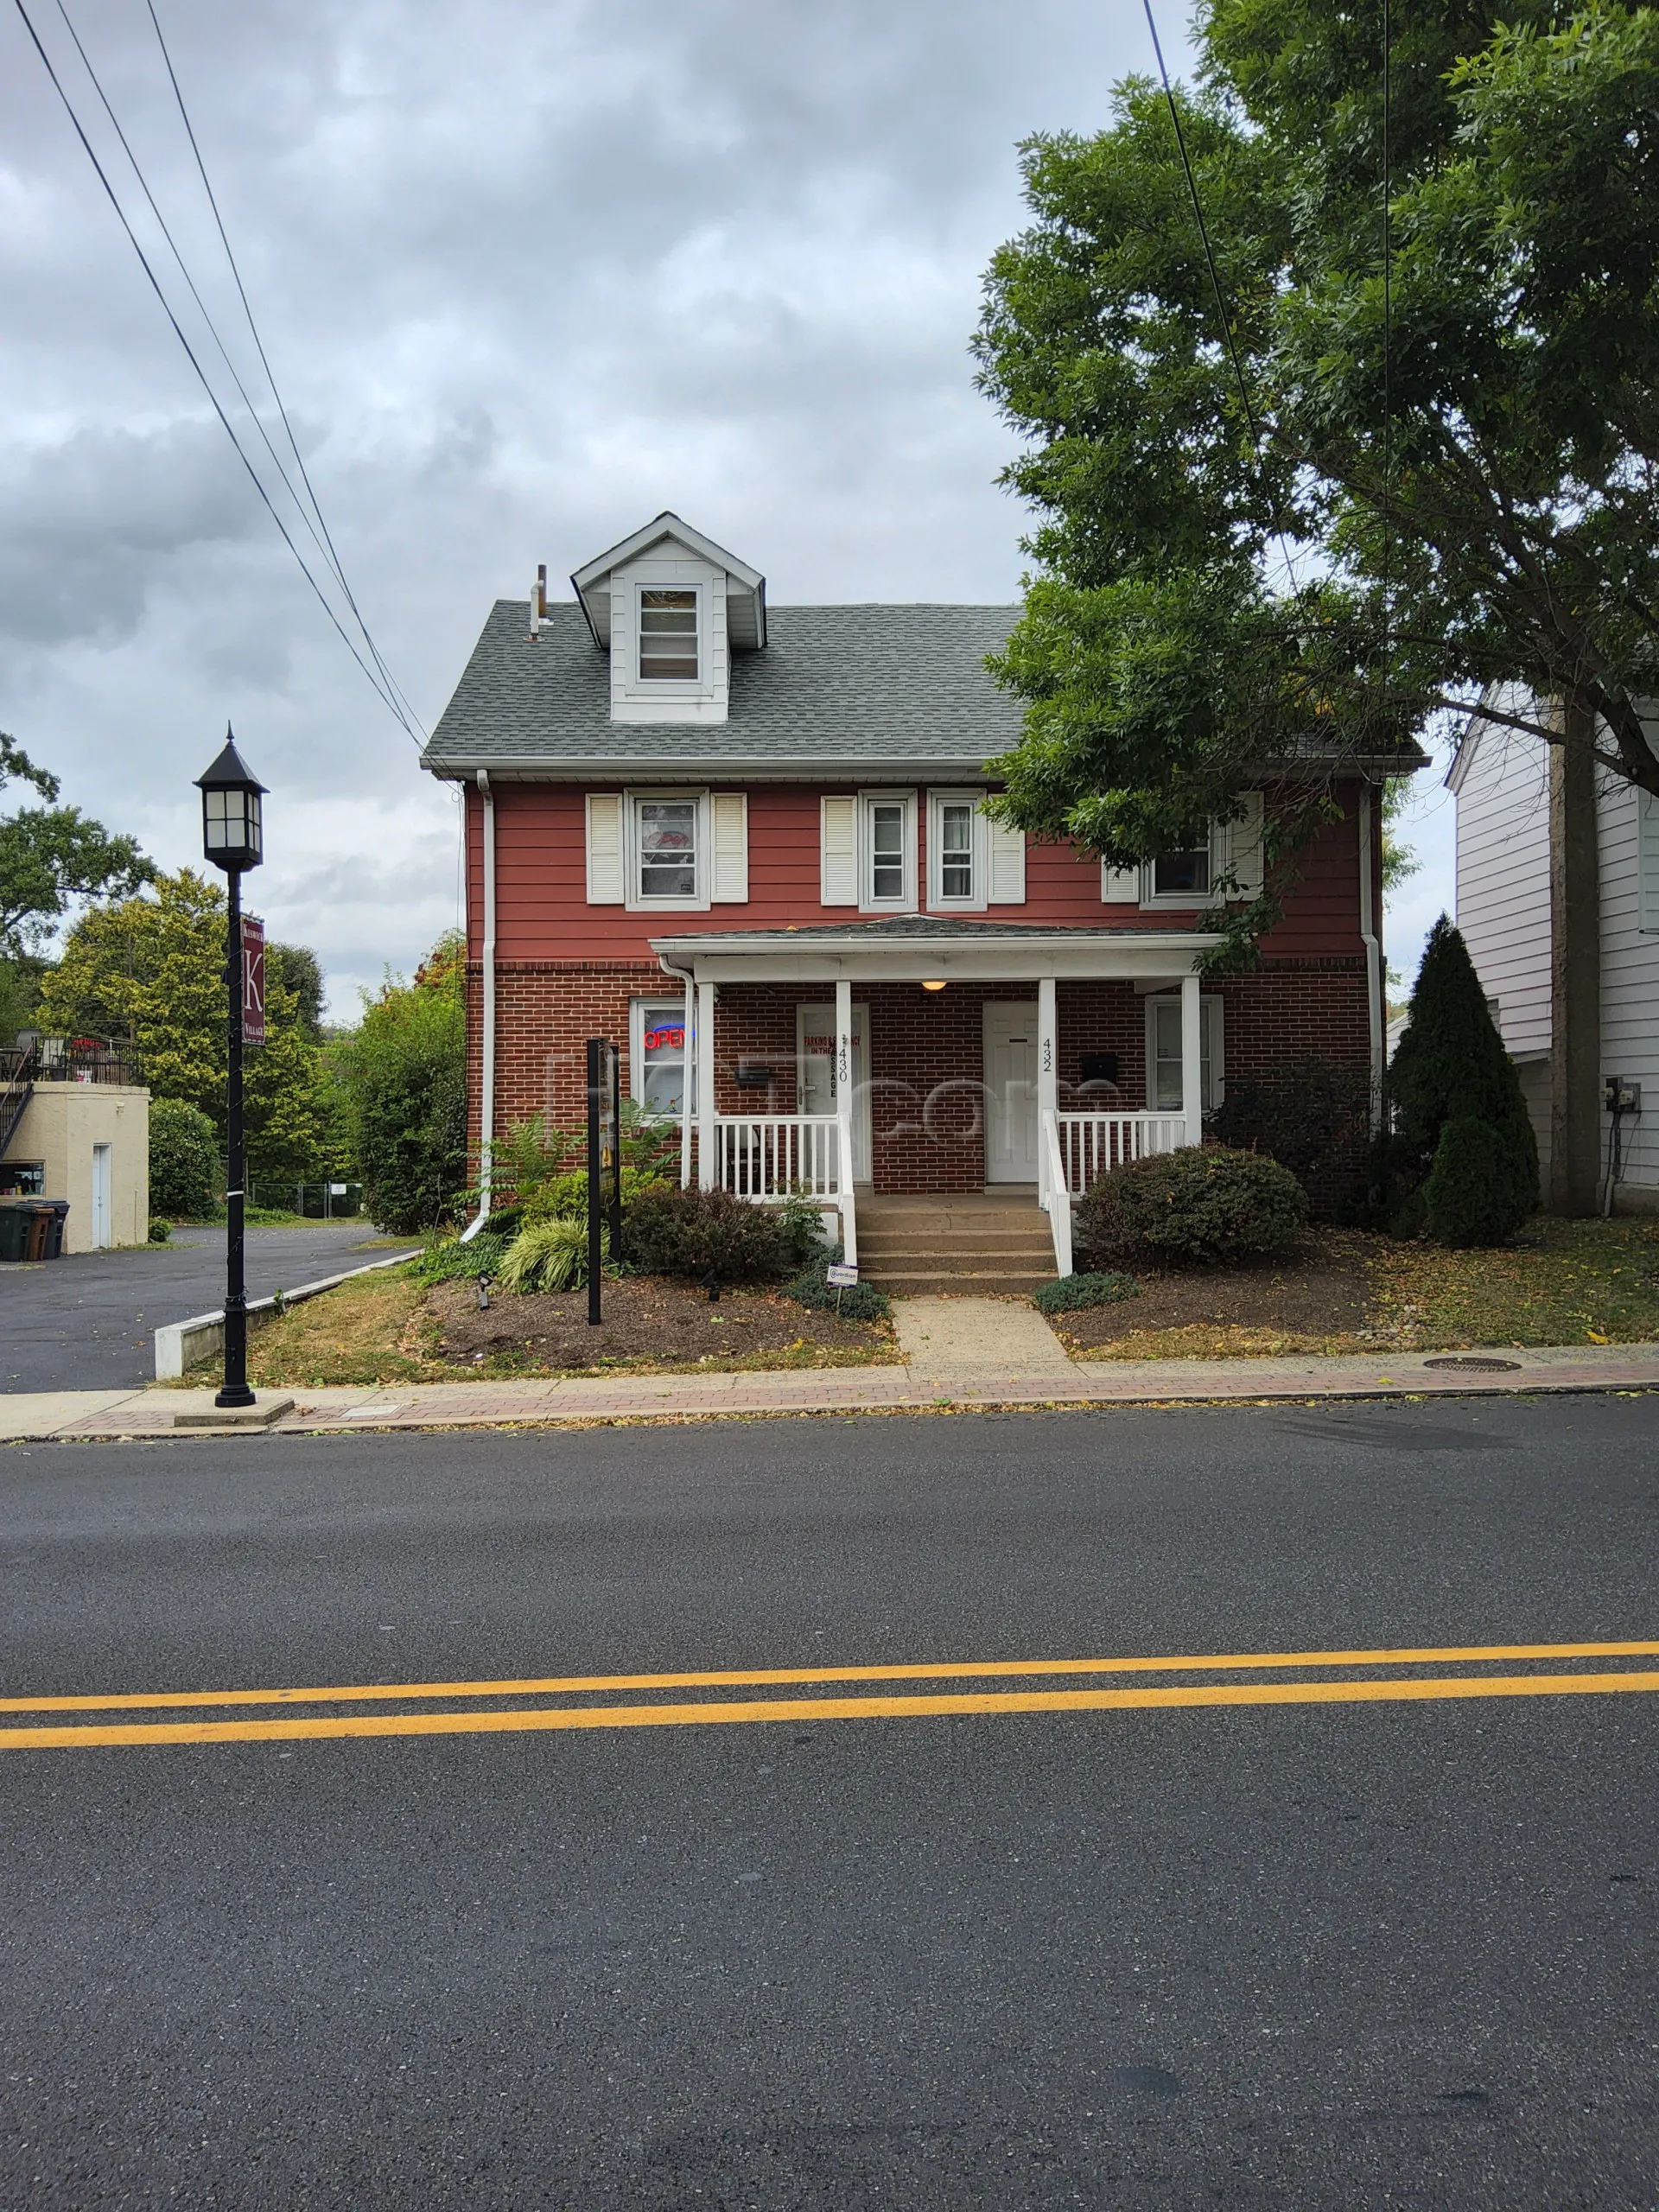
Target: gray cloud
529, 270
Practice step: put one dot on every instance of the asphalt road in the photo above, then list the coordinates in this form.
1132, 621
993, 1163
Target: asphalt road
1389, 1954
88, 1322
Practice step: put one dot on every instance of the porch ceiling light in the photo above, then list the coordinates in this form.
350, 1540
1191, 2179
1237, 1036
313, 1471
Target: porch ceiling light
939, 985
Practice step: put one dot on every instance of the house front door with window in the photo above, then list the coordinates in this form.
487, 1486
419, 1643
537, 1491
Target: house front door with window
815, 1041
1011, 1091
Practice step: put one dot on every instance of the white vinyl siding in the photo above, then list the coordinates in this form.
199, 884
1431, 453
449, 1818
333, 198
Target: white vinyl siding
1503, 887
1242, 856
605, 864
729, 815
1647, 862
838, 852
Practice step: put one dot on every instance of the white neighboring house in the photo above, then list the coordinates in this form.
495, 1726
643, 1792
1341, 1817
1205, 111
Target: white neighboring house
1501, 779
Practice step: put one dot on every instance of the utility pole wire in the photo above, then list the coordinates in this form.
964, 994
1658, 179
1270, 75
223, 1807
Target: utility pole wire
270, 379
190, 355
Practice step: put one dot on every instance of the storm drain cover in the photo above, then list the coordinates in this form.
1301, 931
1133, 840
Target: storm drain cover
1470, 1366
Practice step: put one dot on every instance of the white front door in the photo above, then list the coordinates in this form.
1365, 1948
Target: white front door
1011, 1091
815, 1080
101, 1197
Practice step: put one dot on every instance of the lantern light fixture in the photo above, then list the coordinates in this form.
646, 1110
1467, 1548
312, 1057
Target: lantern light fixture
233, 832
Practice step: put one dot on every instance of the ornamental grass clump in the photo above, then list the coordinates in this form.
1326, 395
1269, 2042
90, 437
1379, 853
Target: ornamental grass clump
1204, 1205
547, 1256
703, 1233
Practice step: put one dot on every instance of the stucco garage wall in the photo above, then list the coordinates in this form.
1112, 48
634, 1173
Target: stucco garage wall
61, 1124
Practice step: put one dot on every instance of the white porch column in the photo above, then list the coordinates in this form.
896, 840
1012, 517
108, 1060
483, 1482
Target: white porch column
1048, 1076
688, 1081
705, 1176
844, 1105
1192, 1059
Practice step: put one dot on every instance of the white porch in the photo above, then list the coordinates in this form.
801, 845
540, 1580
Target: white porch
765, 1157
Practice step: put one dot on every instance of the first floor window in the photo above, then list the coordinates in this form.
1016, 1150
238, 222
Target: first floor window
23, 1178
1164, 1054
668, 636
666, 837
659, 1056
1175, 875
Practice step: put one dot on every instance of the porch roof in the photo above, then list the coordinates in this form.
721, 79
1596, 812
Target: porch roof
909, 948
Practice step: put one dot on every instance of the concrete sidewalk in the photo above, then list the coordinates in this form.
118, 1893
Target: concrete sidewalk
914, 1386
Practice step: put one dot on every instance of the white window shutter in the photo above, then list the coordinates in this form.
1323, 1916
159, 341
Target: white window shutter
730, 810
605, 883
1120, 887
1006, 870
1647, 861
1245, 848
838, 852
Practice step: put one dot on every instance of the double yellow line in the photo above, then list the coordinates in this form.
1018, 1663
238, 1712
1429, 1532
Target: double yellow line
480, 1718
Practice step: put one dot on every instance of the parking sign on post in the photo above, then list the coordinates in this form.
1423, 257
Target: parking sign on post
253, 979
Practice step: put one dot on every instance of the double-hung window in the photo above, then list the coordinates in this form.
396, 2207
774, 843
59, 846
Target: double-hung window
668, 635
1164, 1054
888, 863
657, 1066
1182, 875
667, 855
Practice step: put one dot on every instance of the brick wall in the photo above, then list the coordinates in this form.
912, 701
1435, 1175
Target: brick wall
925, 1047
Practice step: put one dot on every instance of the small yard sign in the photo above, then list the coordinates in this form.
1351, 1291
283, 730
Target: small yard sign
840, 1274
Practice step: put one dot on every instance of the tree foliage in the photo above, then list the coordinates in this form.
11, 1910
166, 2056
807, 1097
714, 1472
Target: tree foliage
186, 1163
404, 1071
1450, 1067
50, 856
152, 969
1361, 474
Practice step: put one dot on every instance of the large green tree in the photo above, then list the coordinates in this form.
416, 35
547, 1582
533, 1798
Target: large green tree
51, 856
1374, 441
152, 969
403, 1071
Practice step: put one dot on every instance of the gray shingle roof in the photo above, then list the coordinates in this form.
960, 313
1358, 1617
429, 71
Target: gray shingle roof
834, 685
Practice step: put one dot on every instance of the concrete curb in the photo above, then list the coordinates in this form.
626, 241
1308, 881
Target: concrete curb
180, 1344
608, 1400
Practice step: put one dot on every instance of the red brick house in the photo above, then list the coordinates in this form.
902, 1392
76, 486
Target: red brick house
747, 844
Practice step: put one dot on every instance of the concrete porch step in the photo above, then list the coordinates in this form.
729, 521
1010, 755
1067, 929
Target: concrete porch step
884, 1240
910, 1282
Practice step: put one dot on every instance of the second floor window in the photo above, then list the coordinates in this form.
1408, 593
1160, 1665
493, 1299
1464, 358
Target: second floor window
667, 830
668, 636
888, 855
956, 850
1173, 873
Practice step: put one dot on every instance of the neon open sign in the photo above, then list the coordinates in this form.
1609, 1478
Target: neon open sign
668, 1040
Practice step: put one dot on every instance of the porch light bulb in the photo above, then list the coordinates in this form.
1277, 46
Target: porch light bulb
933, 987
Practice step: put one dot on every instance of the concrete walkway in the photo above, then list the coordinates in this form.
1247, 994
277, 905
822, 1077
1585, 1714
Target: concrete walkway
957, 1353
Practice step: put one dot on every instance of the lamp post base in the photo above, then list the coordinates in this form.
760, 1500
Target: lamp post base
234, 1393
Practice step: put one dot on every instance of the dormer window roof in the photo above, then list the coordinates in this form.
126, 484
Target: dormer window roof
746, 587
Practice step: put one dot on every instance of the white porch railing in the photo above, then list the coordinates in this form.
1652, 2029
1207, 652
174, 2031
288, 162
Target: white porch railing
1091, 1145
1078, 1148
768, 1157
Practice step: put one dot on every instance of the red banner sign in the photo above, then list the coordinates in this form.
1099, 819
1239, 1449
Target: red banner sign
253, 979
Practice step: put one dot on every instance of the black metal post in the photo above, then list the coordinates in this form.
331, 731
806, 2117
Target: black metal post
596, 1192
613, 1138
235, 1391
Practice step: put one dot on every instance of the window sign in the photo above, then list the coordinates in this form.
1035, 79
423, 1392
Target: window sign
659, 1059
668, 847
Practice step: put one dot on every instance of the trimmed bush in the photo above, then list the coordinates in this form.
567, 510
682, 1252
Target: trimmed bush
1072, 1293
184, 1165
547, 1256
564, 1198
696, 1233
861, 1301
1470, 1196
1204, 1204
448, 1259
160, 1231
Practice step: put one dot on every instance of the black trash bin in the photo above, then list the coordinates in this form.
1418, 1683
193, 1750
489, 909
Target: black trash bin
55, 1233
16, 1221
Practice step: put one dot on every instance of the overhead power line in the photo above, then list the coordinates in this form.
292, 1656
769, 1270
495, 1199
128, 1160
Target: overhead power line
384, 689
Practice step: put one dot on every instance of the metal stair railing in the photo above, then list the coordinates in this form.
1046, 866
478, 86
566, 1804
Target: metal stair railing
17, 1071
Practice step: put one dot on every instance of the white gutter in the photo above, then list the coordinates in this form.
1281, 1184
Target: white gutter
487, 1101
1373, 947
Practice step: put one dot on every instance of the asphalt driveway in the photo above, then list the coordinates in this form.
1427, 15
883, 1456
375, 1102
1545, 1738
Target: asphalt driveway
88, 1323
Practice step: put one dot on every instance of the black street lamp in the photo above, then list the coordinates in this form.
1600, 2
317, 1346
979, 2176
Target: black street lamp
232, 838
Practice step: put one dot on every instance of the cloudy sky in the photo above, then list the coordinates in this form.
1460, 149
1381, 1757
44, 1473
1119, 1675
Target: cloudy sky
527, 271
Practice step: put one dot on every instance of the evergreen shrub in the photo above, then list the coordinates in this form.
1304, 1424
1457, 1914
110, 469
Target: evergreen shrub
1204, 1204
1451, 1066
860, 1301
1470, 1195
697, 1233
184, 1163
160, 1231
1072, 1293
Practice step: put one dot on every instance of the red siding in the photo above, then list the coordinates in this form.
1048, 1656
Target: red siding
542, 910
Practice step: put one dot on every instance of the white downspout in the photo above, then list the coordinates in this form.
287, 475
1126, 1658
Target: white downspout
487, 1101
1373, 945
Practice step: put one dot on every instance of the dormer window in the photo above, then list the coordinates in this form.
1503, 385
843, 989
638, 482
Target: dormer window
668, 636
